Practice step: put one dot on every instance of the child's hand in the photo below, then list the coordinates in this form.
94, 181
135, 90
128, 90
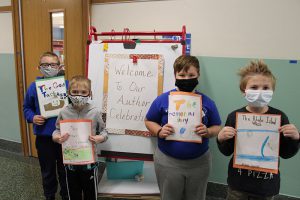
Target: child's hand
166, 130
202, 130
226, 133
290, 130
39, 119
59, 138
96, 139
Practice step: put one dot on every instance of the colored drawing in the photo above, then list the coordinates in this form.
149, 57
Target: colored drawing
263, 146
77, 150
184, 114
52, 95
257, 142
182, 130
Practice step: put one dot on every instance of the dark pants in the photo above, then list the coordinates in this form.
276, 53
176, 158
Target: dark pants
238, 195
51, 162
82, 181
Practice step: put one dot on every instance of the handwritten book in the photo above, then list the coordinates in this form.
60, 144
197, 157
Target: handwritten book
52, 95
257, 142
184, 114
131, 83
77, 150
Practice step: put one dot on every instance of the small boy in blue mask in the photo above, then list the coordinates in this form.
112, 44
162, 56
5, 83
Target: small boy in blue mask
81, 179
49, 152
257, 84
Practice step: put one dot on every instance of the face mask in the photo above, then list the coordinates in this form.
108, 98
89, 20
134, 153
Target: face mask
79, 100
186, 85
49, 71
258, 98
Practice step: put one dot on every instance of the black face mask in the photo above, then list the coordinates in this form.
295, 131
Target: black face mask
186, 85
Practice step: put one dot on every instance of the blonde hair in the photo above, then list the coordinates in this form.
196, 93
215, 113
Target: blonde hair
79, 79
256, 67
49, 54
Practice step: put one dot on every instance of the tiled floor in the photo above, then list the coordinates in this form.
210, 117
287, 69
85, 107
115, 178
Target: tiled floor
21, 180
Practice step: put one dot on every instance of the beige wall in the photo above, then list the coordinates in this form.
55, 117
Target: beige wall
5, 2
231, 28
6, 33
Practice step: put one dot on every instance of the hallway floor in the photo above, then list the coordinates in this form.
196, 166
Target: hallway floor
21, 178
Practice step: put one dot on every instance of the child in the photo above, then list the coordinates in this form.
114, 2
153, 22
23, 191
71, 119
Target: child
49, 153
81, 178
182, 168
257, 84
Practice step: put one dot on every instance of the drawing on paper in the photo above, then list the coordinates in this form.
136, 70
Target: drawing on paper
77, 150
257, 142
52, 95
184, 114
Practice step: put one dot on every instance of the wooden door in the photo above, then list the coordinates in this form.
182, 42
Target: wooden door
37, 37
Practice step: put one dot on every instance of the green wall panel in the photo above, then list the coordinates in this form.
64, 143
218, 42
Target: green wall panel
219, 80
9, 122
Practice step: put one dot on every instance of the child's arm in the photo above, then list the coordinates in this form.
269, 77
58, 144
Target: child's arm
158, 131
226, 133
203, 131
96, 139
212, 128
289, 140
101, 132
225, 138
39, 119
290, 131
56, 136
29, 107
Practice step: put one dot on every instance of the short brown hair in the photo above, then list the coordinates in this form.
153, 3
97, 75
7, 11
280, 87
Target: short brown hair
79, 79
49, 54
184, 62
256, 67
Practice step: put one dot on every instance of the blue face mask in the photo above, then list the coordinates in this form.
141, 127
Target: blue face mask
49, 71
258, 98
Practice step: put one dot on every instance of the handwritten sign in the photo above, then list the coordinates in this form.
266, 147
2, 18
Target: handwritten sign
52, 95
257, 142
184, 114
129, 89
77, 150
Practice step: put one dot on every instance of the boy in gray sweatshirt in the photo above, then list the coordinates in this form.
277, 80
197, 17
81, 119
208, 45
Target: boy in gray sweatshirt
81, 178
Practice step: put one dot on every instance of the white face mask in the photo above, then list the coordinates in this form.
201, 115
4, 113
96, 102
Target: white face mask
258, 98
79, 100
49, 71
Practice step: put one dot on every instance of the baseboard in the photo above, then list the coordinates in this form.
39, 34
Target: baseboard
219, 190
10, 146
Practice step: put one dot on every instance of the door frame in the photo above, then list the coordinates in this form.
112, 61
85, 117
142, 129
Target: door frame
19, 63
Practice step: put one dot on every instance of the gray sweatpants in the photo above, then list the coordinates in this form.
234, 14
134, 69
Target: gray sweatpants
182, 179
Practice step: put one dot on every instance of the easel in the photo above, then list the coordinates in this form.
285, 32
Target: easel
129, 40
126, 38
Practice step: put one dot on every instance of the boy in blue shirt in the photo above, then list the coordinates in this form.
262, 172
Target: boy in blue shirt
49, 152
182, 168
